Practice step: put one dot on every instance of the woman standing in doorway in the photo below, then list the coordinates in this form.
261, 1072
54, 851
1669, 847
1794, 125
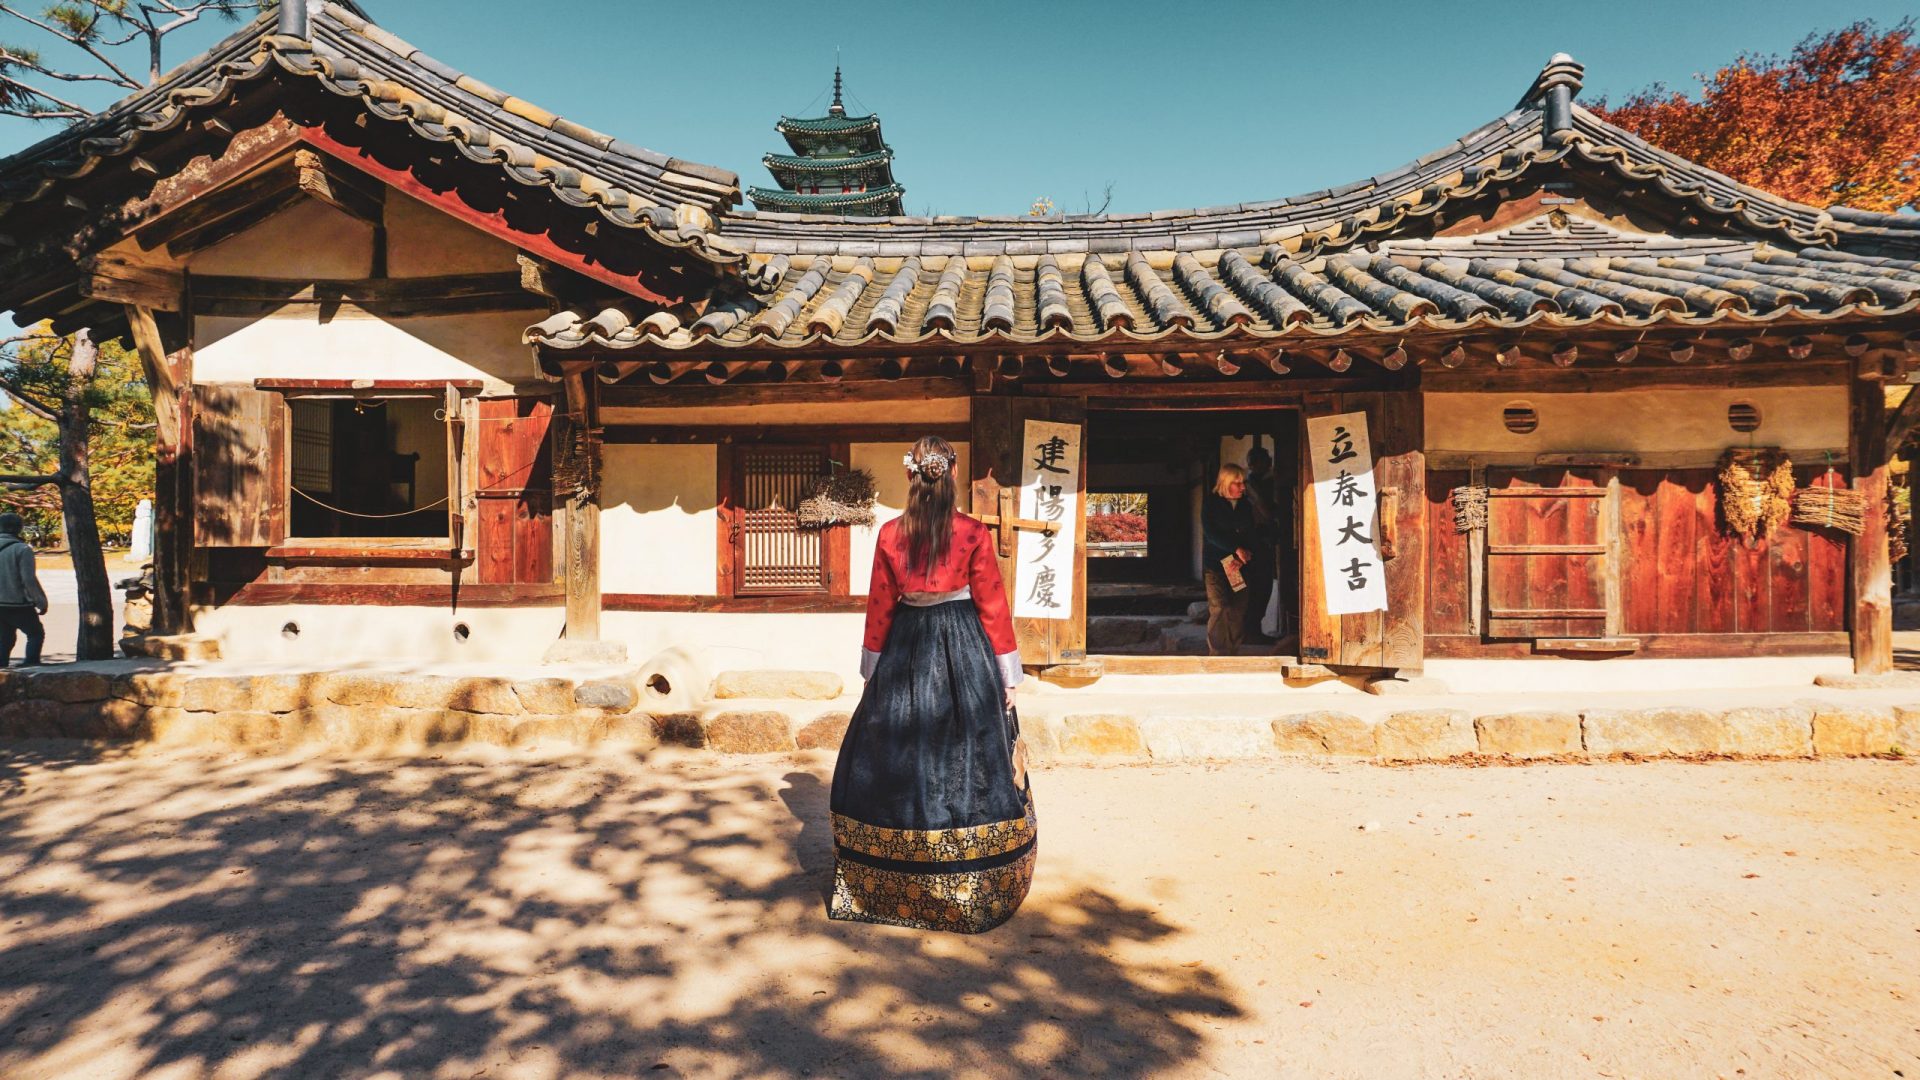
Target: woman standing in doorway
933, 823
1227, 537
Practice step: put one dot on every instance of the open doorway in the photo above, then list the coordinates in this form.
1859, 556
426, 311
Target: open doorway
1147, 475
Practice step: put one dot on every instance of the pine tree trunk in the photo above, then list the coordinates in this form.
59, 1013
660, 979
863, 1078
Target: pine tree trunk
95, 640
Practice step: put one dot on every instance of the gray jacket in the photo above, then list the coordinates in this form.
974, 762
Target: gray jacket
19, 587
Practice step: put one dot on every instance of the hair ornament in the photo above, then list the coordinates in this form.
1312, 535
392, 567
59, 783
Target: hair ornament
932, 468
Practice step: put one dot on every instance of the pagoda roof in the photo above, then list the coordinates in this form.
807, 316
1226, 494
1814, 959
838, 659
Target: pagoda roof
345, 54
808, 164
801, 203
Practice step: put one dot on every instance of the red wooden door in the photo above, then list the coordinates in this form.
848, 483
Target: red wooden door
514, 499
1550, 554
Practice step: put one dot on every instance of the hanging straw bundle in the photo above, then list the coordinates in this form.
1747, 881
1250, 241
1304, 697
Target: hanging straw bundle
1831, 506
1469, 508
1899, 520
839, 499
1756, 492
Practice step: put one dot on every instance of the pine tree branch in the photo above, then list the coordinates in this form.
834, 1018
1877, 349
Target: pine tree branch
10, 57
67, 110
76, 40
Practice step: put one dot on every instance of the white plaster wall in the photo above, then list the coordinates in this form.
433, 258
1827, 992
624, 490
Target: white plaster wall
658, 522
345, 634
423, 242
304, 341
729, 641
1645, 421
890, 501
308, 241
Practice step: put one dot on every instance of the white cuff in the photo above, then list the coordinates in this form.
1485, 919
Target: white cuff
1009, 665
868, 661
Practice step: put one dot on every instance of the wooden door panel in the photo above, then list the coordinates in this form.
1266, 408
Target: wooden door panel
240, 463
1549, 554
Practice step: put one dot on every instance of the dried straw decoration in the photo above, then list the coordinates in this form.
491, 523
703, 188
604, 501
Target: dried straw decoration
1899, 520
1832, 506
839, 499
1756, 492
1469, 508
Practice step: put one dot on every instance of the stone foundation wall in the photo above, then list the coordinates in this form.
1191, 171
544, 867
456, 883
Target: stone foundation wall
373, 711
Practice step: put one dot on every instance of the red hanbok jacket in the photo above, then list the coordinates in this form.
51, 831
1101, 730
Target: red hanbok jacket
969, 563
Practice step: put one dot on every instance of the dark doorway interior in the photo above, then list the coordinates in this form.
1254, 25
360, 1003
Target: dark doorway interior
1147, 472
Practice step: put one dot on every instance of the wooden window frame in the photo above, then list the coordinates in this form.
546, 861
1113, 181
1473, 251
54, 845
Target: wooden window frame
835, 540
457, 397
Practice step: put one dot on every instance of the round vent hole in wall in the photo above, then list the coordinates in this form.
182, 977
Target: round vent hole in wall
1743, 416
1520, 418
658, 685
461, 632
290, 631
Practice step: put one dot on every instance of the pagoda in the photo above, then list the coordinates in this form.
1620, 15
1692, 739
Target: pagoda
839, 165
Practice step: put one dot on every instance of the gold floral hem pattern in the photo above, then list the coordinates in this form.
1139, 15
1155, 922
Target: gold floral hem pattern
935, 845
965, 902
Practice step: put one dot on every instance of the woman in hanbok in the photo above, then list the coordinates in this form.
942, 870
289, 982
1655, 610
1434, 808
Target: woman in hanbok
933, 823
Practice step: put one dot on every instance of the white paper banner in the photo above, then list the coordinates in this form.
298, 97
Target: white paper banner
1345, 502
1049, 491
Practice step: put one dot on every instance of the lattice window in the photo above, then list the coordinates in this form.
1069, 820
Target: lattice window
775, 554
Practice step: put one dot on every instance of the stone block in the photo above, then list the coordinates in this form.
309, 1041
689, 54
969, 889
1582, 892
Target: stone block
680, 729
375, 688
173, 726
54, 684
1425, 735
1651, 732
31, 718
1042, 735
767, 683
244, 730
632, 731
1325, 732
113, 718
612, 695
477, 695
1906, 729
219, 694
1777, 731
164, 689
1529, 734
824, 732
285, 693
1102, 736
537, 730
756, 732
1178, 738
1886, 680
1853, 730
546, 697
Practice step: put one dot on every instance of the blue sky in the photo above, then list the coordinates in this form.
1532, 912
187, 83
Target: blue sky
991, 104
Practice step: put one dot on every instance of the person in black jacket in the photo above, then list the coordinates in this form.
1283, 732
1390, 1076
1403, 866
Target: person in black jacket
1227, 539
22, 601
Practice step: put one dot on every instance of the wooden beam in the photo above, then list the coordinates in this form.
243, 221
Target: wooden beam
1870, 572
231, 225
322, 178
616, 432
789, 392
119, 281
582, 575
392, 297
275, 181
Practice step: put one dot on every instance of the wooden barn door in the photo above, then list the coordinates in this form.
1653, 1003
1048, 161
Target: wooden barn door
1395, 638
999, 429
514, 497
1551, 555
239, 467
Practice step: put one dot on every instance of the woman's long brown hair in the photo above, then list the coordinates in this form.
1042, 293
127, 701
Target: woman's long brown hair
929, 517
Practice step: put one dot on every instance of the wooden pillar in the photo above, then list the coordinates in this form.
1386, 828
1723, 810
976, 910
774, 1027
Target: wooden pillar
166, 360
579, 465
1869, 572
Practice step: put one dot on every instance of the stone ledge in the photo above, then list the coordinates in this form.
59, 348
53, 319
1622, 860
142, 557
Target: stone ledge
772, 683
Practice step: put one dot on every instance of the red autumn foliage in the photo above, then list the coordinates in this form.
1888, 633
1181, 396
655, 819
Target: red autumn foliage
1835, 121
1121, 528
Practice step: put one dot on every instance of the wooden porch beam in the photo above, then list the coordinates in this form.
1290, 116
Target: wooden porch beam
346, 190
582, 574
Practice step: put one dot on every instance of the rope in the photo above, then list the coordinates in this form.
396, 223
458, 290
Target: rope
350, 513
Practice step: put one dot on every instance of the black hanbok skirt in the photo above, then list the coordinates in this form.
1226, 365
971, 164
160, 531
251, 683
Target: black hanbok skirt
929, 828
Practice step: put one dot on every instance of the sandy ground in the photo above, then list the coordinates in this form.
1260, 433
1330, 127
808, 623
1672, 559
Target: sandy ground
493, 914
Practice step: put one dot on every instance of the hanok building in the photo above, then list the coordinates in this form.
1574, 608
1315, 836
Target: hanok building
440, 374
839, 165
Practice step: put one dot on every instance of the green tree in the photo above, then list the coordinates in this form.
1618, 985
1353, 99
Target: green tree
119, 452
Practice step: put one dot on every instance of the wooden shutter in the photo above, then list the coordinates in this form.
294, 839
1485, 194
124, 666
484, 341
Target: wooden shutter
1549, 554
239, 467
1394, 638
999, 428
514, 498
772, 554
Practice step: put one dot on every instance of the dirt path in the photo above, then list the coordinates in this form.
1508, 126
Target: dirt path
516, 916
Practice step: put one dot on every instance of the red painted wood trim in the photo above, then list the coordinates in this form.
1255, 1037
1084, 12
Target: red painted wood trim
1659, 646
472, 385
811, 602
261, 594
493, 224
365, 553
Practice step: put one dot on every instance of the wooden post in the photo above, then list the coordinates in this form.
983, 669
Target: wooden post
580, 466
1869, 572
168, 372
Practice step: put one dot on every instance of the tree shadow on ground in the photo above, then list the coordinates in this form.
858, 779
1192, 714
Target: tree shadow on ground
574, 916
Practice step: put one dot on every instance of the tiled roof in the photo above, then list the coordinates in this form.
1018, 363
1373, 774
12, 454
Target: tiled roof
827, 202
672, 200
1256, 293
792, 164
